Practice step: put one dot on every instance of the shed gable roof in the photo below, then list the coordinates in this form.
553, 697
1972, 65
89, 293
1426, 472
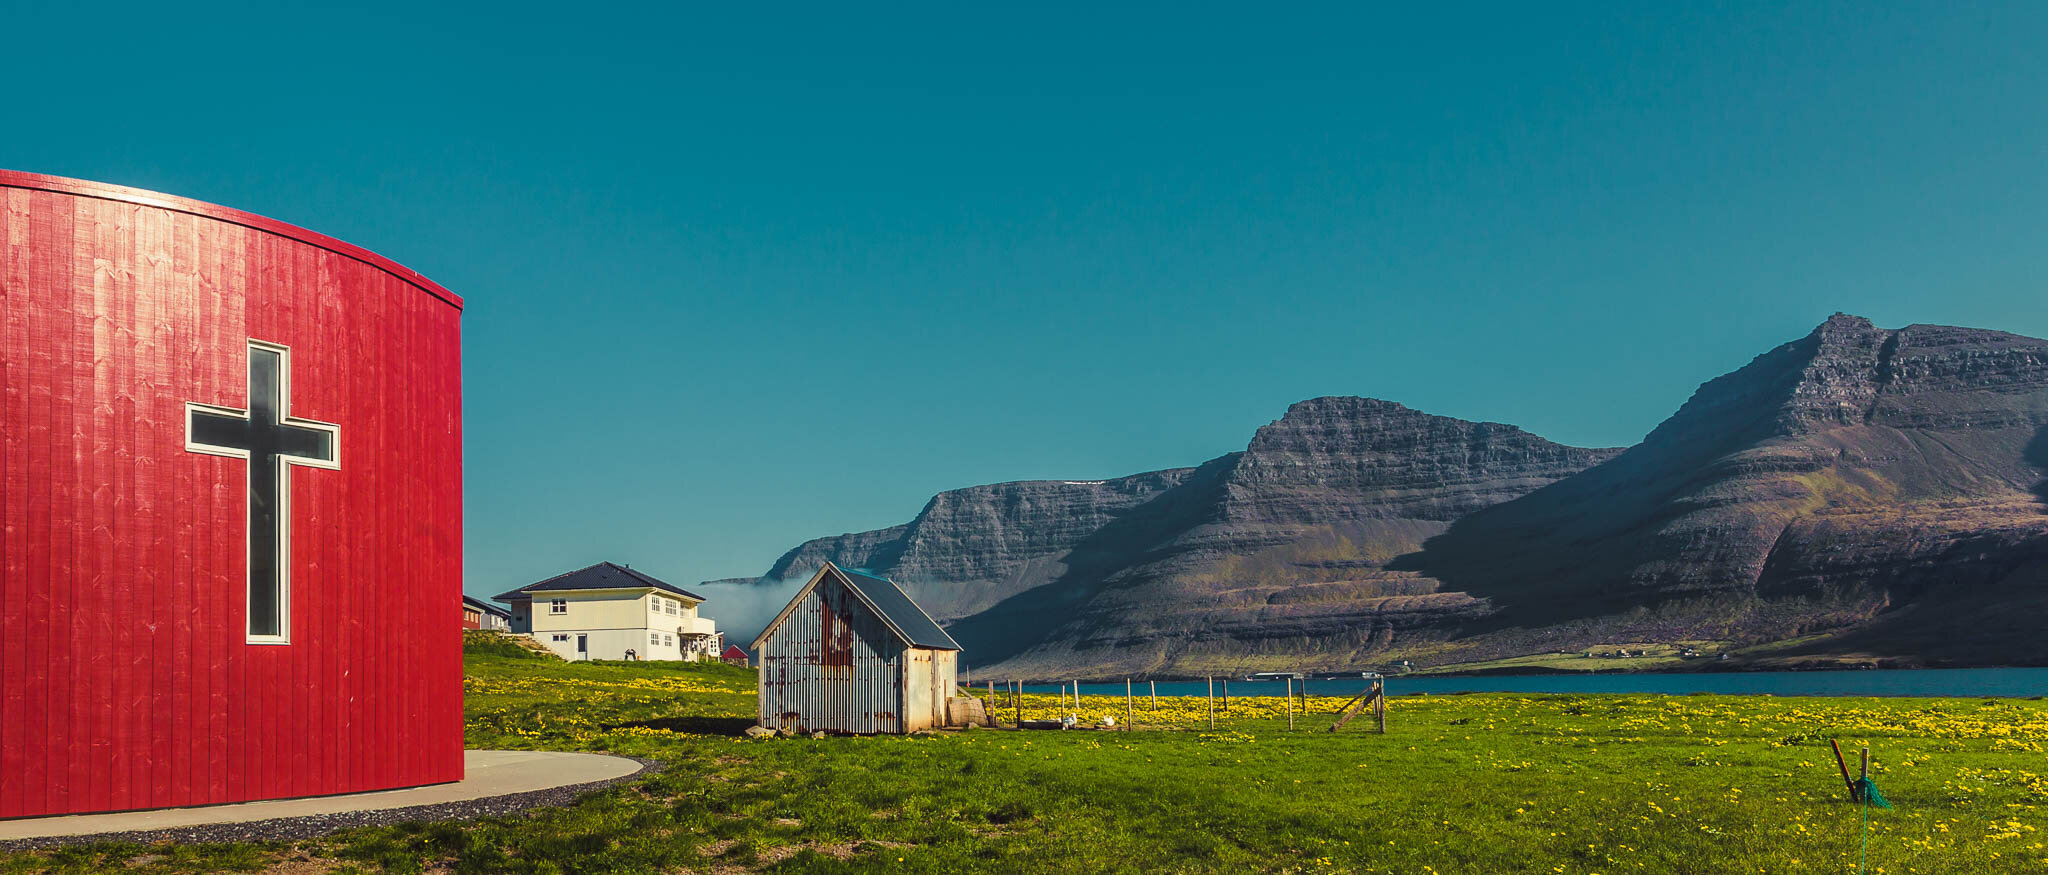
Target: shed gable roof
898, 610
903, 617
603, 575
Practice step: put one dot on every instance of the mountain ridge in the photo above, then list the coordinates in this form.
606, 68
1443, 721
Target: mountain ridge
1858, 484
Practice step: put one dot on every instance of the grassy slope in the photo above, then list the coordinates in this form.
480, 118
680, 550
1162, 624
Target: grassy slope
1482, 783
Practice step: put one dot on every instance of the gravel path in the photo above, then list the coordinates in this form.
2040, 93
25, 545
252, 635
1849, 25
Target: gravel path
309, 826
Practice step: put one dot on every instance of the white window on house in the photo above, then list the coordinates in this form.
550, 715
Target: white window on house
561, 637
558, 606
668, 640
674, 607
653, 639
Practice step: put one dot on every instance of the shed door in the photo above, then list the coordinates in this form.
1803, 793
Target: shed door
920, 698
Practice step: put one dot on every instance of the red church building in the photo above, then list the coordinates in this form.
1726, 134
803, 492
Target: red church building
230, 508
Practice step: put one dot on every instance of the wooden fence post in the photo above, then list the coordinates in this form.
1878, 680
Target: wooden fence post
1379, 704
1127, 703
1226, 695
1212, 702
1351, 707
1155, 694
1837, 744
1290, 703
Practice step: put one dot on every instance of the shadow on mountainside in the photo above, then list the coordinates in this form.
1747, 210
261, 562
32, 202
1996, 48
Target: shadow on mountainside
1577, 549
1553, 556
1024, 620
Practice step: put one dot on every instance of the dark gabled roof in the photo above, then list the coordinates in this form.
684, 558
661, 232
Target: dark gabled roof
898, 610
484, 606
603, 575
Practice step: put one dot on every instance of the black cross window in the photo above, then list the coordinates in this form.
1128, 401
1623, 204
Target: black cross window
272, 440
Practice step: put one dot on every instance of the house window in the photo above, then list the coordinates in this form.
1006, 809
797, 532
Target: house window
561, 637
653, 639
558, 606
671, 603
668, 640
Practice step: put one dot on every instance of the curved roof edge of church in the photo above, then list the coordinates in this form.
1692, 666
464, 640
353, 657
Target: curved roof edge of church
160, 200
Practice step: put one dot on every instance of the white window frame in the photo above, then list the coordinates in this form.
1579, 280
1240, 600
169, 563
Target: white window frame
284, 479
558, 607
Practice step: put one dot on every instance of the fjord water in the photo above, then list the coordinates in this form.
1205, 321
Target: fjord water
1962, 682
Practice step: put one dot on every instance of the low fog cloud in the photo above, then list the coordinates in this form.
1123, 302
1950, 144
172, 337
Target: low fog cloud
742, 610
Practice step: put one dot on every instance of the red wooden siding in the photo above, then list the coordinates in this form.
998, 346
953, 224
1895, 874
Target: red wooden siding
125, 678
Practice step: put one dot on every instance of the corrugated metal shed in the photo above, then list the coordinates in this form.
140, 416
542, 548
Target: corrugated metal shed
840, 659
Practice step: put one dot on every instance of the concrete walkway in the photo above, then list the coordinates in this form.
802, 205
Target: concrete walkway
488, 776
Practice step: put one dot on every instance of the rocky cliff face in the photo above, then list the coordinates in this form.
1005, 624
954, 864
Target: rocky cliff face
1854, 476
971, 548
1874, 492
1140, 565
1289, 555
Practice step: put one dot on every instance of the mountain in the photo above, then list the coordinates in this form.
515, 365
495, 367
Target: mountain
1860, 492
1883, 489
1259, 548
972, 548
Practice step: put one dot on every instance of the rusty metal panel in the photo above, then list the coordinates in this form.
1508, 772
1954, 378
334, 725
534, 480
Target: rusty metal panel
832, 665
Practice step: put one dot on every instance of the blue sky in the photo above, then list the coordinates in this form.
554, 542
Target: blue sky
735, 282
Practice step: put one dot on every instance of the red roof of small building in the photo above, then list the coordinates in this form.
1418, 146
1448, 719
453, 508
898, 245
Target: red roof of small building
733, 651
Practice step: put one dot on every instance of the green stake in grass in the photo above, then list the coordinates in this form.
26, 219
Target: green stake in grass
1863, 791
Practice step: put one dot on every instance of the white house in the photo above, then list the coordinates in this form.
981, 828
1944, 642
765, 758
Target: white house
610, 611
480, 614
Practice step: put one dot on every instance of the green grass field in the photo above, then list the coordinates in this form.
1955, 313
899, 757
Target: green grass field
1476, 783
